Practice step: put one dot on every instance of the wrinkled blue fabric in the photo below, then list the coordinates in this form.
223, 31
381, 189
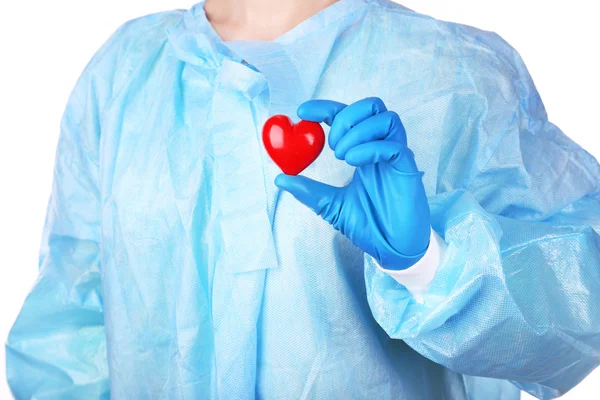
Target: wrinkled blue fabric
384, 209
171, 266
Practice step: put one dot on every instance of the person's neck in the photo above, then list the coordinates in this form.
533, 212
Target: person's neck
259, 19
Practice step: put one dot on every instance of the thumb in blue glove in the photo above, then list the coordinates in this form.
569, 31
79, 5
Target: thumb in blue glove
384, 209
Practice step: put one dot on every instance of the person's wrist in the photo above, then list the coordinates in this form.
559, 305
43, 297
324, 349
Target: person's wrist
404, 262
419, 275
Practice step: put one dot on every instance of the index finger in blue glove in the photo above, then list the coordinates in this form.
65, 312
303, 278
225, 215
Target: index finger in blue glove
320, 110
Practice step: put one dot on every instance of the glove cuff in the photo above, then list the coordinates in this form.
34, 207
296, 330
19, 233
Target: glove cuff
418, 277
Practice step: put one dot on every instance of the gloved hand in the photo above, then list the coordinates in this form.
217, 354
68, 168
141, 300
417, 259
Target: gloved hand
384, 210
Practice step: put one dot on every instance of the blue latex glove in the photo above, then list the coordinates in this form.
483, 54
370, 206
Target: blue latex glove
384, 210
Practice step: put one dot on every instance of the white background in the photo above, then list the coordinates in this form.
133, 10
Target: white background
45, 45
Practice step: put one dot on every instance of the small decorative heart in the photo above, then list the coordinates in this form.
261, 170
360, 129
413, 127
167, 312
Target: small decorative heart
293, 147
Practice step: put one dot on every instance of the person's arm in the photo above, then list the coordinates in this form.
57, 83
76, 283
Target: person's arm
516, 295
57, 347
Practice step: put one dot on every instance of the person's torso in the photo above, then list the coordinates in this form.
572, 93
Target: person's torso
218, 285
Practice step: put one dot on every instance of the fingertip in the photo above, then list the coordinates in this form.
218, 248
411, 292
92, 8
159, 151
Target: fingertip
319, 110
303, 111
312, 110
338, 154
281, 181
378, 105
354, 158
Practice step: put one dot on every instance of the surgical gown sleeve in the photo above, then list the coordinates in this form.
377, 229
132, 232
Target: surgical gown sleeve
57, 347
517, 293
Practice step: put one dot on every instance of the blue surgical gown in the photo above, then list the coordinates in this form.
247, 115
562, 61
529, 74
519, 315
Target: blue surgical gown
172, 267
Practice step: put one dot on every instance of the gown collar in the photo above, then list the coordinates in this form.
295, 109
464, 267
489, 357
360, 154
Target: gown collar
195, 41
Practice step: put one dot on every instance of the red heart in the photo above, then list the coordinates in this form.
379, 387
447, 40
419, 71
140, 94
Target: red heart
293, 147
